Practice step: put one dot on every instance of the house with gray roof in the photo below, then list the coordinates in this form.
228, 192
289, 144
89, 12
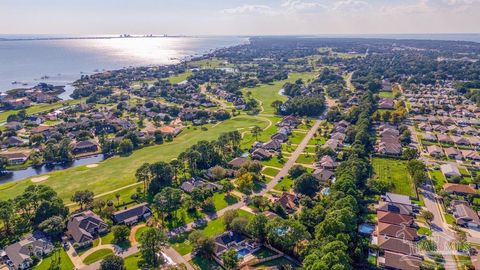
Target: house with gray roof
20, 253
84, 227
132, 215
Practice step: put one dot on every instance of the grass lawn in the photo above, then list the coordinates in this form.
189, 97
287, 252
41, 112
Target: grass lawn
213, 228
296, 137
463, 261
284, 185
39, 108
204, 264
275, 162
58, 258
97, 256
317, 140
304, 159
118, 172
270, 172
274, 263
395, 172
424, 231
449, 219
140, 231
107, 238
222, 200
180, 77
386, 94
248, 139
268, 93
131, 262
438, 179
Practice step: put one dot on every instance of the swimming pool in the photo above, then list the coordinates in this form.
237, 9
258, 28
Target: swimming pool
243, 252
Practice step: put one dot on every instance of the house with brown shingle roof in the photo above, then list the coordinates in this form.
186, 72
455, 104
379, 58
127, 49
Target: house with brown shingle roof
393, 260
397, 231
394, 218
459, 189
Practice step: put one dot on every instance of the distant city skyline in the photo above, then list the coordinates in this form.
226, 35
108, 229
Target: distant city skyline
236, 17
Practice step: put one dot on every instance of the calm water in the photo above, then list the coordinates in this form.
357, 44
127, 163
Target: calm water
63, 61
29, 172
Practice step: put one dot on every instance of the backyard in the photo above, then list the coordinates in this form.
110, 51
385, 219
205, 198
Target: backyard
394, 171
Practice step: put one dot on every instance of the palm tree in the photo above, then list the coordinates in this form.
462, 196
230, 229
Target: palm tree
256, 131
117, 195
144, 174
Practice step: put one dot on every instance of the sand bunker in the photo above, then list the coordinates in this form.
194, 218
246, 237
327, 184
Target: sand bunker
40, 179
92, 165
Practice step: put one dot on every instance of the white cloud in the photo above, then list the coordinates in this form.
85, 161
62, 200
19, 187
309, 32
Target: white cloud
249, 9
349, 5
302, 5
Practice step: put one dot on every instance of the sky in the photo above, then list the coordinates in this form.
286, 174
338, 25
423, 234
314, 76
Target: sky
238, 17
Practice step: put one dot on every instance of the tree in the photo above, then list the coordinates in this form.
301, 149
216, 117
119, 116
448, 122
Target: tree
202, 244
218, 172
120, 233
169, 200
410, 153
112, 262
152, 242
144, 174
228, 217
257, 227
306, 184
256, 130
245, 182
83, 198
296, 170
53, 226
228, 187
239, 224
7, 213
162, 176
230, 259
285, 233
125, 147
427, 215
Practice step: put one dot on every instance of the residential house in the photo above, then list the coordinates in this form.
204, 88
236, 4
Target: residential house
237, 162
397, 231
83, 147
394, 218
15, 158
454, 153
327, 162
280, 137
323, 175
435, 151
288, 201
261, 154
471, 155
459, 189
84, 227
398, 208
450, 170
464, 215
398, 261
21, 252
13, 142
132, 215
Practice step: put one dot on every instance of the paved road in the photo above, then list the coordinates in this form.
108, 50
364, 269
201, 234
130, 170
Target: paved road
441, 233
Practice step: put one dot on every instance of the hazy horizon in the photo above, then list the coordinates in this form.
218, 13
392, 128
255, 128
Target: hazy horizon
239, 17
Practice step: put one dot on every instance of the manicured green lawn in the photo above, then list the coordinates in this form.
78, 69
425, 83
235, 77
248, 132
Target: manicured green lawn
97, 256
270, 172
317, 140
284, 185
118, 172
449, 219
180, 77
268, 93
221, 200
213, 228
140, 231
57, 258
385, 94
438, 179
395, 172
304, 159
131, 262
204, 264
424, 231
296, 137
274, 263
275, 162
107, 238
